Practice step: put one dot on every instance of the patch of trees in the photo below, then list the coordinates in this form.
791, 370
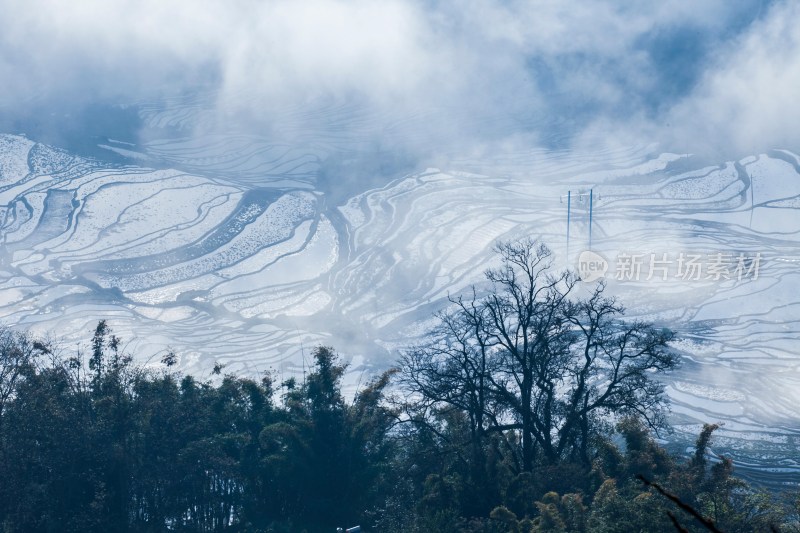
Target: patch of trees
531, 408
107, 446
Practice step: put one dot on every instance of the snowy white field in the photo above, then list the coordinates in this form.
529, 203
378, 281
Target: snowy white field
240, 258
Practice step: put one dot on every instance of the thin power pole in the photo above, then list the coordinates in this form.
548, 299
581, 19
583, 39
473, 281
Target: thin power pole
591, 198
569, 201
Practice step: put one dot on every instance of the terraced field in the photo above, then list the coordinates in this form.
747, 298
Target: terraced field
242, 257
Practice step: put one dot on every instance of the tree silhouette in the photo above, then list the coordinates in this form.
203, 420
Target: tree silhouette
533, 356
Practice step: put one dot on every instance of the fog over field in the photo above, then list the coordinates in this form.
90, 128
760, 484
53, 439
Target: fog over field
240, 181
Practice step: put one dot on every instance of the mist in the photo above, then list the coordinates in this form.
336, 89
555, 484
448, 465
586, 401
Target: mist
407, 84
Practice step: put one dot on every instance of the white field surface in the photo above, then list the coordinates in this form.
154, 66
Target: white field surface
253, 269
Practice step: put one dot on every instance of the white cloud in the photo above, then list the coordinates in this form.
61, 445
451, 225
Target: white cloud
749, 100
473, 68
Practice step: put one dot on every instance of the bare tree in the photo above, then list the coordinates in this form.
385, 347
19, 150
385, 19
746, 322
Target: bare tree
455, 370
532, 357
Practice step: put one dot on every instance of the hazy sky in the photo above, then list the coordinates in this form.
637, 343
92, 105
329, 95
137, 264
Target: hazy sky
710, 76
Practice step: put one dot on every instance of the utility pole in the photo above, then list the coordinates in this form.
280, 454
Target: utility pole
591, 202
569, 202
580, 196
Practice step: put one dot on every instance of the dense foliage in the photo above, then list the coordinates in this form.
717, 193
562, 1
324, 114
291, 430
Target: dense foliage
532, 408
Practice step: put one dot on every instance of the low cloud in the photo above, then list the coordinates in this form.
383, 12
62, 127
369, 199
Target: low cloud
715, 77
747, 101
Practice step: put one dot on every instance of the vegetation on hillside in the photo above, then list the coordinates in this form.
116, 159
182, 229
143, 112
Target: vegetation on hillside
532, 408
